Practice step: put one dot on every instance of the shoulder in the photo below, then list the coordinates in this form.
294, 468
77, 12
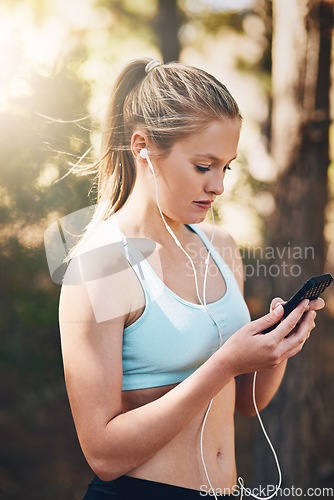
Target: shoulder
227, 249
98, 255
97, 281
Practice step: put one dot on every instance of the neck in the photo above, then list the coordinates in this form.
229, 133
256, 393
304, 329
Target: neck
140, 217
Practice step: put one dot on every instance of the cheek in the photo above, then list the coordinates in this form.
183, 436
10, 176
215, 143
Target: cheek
181, 183
178, 180
184, 188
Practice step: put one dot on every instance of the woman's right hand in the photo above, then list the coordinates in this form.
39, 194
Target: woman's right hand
249, 350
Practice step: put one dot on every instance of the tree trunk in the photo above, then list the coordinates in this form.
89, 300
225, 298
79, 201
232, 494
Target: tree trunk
167, 25
300, 148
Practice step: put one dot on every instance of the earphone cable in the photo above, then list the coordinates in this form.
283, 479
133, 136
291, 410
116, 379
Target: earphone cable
204, 304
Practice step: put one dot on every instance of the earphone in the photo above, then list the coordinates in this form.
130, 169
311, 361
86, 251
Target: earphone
144, 154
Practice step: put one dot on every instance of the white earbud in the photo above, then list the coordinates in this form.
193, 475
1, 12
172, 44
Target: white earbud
144, 153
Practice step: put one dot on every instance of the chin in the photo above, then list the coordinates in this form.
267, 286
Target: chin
189, 218
195, 219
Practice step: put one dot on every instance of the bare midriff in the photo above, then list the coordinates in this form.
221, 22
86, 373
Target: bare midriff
179, 462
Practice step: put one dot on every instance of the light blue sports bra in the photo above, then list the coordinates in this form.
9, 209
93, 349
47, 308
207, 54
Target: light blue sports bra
173, 337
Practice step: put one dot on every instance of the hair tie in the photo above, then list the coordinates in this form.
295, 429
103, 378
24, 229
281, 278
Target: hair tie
152, 64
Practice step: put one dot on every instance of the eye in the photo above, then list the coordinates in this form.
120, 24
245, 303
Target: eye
227, 167
202, 169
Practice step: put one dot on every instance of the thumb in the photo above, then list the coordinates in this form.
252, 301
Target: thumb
275, 302
268, 322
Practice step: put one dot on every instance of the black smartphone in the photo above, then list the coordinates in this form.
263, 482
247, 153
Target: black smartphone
311, 290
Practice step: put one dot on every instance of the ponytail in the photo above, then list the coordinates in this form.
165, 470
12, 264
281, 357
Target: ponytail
117, 173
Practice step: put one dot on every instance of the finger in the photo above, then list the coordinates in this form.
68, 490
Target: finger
307, 322
275, 302
316, 304
292, 352
291, 321
294, 342
269, 320
306, 312
311, 326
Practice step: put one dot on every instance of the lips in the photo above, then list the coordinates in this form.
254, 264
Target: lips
205, 204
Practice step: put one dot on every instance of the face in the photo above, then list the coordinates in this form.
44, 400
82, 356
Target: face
192, 175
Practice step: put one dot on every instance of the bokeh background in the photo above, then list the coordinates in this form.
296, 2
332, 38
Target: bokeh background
58, 60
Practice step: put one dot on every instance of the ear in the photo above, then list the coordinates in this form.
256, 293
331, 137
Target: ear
139, 141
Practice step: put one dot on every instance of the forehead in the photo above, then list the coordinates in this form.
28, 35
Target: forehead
218, 139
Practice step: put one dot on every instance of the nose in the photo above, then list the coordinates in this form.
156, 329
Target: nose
216, 183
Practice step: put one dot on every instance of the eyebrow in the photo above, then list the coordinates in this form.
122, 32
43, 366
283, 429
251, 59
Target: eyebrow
213, 157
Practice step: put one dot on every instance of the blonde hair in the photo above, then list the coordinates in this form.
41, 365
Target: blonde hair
168, 101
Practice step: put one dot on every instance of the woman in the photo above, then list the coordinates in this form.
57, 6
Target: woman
147, 347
